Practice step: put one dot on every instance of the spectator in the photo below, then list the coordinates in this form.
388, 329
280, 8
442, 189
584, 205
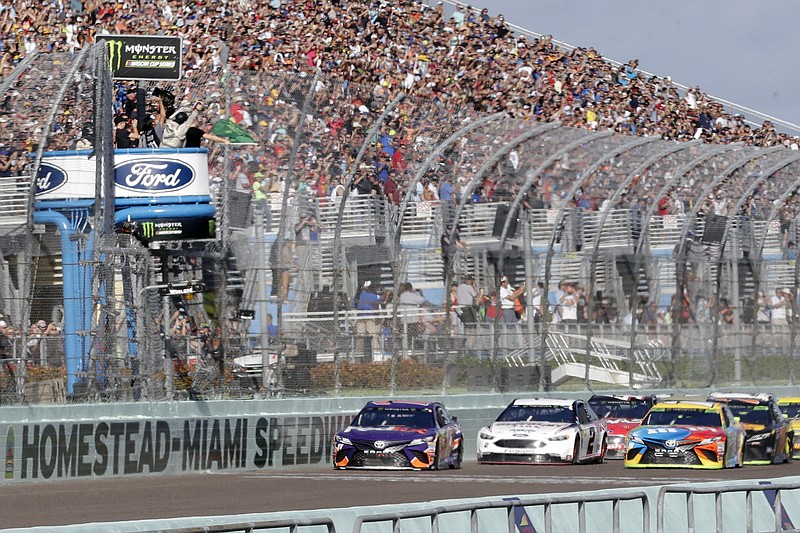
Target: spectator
369, 330
650, 315
509, 295
763, 311
6, 344
778, 304
177, 127
125, 135
537, 305
450, 243
468, 301
568, 305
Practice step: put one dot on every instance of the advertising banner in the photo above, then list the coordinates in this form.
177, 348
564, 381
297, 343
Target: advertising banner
39, 451
171, 230
137, 174
144, 57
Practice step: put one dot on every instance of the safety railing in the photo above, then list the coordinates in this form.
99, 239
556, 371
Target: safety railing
14, 200
293, 525
513, 506
772, 490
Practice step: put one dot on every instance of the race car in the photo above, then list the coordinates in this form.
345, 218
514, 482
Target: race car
621, 413
680, 434
768, 434
790, 407
543, 430
400, 435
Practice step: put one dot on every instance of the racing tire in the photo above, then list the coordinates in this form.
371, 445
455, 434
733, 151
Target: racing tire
576, 451
787, 452
603, 450
459, 459
436, 457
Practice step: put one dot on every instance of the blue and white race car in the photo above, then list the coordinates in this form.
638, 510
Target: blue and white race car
400, 435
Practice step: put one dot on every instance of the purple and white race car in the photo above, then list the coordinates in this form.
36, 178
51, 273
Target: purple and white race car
400, 435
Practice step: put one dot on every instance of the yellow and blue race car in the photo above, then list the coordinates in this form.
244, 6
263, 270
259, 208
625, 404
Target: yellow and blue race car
679, 434
790, 407
768, 434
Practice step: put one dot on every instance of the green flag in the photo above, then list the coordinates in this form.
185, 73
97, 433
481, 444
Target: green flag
232, 131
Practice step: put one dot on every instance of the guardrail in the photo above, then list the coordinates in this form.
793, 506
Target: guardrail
442, 517
292, 524
747, 487
511, 505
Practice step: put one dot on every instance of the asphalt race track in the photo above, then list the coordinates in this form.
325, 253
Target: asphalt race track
138, 498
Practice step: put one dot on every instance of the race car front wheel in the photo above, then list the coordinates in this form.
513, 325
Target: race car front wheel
459, 458
436, 457
576, 451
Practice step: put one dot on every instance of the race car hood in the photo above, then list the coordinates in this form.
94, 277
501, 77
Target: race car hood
662, 434
621, 426
385, 433
528, 428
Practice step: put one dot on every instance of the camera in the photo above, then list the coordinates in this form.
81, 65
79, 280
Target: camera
167, 97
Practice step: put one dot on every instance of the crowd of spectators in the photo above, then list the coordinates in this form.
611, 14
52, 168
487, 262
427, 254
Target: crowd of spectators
470, 57
451, 65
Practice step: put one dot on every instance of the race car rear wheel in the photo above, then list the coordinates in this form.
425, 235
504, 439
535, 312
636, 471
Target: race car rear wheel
576, 451
603, 450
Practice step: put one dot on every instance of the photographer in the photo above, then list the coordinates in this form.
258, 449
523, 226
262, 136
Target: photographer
178, 125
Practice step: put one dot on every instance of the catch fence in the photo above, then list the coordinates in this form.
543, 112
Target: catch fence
679, 258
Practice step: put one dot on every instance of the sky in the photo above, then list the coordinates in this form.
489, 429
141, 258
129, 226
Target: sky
742, 51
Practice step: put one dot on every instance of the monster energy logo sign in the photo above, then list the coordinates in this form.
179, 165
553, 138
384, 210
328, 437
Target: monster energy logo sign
114, 54
170, 230
139, 57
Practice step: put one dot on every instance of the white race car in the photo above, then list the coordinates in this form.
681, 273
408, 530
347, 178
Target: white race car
544, 430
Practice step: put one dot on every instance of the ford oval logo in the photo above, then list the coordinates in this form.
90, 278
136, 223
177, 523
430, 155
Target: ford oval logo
49, 178
153, 175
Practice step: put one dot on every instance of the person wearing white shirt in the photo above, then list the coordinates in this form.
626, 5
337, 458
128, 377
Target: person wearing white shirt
507, 297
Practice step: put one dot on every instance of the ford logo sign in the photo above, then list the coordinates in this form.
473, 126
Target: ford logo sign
153, 175
49, 178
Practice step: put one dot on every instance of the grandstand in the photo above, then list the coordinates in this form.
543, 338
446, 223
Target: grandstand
692, 210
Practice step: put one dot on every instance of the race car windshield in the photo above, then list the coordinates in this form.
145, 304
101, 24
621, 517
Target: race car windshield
751, 414
383, 417
792, 411
683, 417
537, 413
620, 408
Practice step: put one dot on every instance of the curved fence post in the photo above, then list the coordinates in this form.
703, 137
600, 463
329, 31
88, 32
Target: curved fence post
680, 264
337, 238
621, 189
282, 228
474, 181
531, 176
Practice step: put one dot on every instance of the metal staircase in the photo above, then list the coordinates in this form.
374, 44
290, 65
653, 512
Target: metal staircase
605, 360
